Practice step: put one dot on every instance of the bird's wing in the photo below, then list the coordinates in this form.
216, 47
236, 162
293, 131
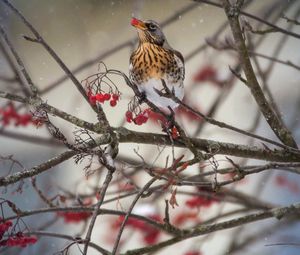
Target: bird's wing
178, 54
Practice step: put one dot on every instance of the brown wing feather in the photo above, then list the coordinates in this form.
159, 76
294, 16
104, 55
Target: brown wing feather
178, 54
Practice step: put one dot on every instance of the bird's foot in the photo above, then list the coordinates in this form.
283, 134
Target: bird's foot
162, 93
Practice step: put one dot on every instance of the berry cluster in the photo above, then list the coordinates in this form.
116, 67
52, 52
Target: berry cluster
139, 119
9, 115
74, 217
17, 239
4, 227
113, 98
150, 233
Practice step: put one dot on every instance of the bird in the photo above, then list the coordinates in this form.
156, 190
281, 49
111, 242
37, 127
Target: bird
155, 64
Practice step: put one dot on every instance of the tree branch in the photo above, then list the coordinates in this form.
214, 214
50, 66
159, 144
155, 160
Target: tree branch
128, 214
110, 170
277, 213
13, 178
278, 128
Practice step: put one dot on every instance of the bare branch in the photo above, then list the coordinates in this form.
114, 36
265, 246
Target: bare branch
32, 87
4, 181
278, 128
277, 213
110, 170
71, 238
118, 239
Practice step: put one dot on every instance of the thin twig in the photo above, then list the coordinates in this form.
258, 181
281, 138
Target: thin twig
13, 178
146, 187
104, 188
249, 15
22, 68
68, 237
15, 71
294, 21
31, 138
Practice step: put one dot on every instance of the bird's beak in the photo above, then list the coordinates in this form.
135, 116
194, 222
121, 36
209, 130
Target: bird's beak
138, 24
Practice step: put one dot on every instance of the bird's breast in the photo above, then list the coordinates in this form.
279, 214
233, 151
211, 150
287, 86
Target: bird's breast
151, 61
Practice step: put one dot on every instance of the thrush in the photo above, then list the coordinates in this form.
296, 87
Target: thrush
155, 63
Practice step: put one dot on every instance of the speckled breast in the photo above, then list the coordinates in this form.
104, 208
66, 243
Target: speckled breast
152, 61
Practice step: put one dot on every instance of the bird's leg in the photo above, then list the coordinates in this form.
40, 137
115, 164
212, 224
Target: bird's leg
142, 97
168, 93
169, 124
170, 127
171, 116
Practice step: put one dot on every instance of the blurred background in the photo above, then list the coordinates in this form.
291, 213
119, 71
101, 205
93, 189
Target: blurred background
84, 33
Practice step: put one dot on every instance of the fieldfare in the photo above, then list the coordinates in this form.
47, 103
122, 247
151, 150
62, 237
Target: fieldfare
153, 61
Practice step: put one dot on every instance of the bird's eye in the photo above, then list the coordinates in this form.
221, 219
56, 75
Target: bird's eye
152, 27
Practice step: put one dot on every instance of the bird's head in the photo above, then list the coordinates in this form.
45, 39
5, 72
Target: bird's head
149, 31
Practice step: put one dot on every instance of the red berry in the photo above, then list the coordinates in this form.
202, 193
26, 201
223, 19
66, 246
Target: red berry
11, 242
113, 103
144, 118
8, 223
92, 100
134, 22
138, 120
129, 116
100, 97
106, 96
115, 97
5, 226
31, 240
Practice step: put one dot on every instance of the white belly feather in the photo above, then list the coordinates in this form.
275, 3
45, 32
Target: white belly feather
149, 87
